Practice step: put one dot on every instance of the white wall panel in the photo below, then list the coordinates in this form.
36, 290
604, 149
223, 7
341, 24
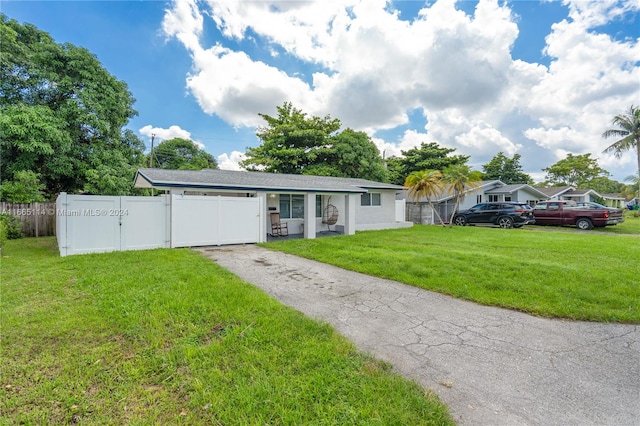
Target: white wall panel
144, 222
93, 223
239, 220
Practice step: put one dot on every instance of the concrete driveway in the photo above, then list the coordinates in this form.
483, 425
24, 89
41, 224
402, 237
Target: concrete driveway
491, 366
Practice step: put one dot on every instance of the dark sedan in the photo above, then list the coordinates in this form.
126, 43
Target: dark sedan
503, 214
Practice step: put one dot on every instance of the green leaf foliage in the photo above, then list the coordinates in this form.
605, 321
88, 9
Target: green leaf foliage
627, 128
460, 179
24, 188
296, 144
576, 170
505, 169
61, 112
182, 154
428, 156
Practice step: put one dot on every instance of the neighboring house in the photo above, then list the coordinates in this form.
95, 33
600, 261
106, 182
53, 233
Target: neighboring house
614, 200
521, 193
301, 200
582, 195
556, 192
419, 212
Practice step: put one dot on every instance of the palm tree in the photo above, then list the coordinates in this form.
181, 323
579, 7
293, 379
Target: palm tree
629, 130
427, 183
631, 191
460, 179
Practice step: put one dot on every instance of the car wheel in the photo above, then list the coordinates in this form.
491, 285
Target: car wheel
460, 220
505, 222
584, 224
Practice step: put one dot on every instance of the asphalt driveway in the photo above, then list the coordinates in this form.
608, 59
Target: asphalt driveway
491, 366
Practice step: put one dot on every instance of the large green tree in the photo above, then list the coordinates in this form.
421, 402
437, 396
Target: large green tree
505, 169
350, 154
604, 185
428, 156
24, 188
576, 170
294, 143
62, 115
628, 130
184, 154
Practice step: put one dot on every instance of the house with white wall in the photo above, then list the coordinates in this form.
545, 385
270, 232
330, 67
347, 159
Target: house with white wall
301, 200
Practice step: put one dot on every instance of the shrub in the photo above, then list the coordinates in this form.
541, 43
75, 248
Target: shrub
11, 226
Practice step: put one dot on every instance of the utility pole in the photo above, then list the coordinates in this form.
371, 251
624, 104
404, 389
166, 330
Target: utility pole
153, 136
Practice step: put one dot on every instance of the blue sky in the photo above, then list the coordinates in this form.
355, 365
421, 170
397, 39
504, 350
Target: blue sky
541, 79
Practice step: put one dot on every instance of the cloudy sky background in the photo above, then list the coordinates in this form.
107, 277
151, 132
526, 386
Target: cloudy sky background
541, 79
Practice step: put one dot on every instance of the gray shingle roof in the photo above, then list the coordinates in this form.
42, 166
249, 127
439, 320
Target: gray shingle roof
555, 190
253, 181
511, 188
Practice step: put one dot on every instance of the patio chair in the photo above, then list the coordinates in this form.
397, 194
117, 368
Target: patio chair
330, 215
278, 229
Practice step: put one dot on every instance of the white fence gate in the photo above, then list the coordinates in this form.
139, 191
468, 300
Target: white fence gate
95, 223
206, 221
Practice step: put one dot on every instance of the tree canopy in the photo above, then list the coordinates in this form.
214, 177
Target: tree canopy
294, 143
62, 115
505, 169
429, 156
628, 130
576, 170
427, 184
460, 178
182, 154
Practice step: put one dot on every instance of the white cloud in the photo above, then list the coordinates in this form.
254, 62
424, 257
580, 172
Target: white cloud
161, 134
369, 67
230, 162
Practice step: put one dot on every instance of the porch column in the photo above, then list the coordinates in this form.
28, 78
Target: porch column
310, 215
350, 201
263, 218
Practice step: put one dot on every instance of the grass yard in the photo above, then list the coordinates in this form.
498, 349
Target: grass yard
575, 275
168, 337
630, 226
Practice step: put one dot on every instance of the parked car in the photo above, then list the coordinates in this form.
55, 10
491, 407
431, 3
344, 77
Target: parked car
569, 213
592, 205
503, 214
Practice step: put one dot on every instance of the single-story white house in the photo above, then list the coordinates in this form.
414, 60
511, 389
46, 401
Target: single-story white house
301, 200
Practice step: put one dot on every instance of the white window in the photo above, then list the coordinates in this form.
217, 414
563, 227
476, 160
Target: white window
371, 199
291, 206
318, 206
478, 199
494, 198
507, 198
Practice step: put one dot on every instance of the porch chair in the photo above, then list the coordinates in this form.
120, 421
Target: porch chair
278, 229
330, 216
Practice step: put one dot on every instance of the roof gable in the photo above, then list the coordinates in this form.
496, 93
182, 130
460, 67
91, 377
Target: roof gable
555, 191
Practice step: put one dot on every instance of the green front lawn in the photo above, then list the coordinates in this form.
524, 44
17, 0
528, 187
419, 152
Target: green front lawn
630, 226
576, 275
168, 337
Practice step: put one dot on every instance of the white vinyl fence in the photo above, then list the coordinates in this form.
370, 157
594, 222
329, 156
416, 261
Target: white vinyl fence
95, 223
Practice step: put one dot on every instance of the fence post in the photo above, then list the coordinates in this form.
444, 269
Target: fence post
37, 218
